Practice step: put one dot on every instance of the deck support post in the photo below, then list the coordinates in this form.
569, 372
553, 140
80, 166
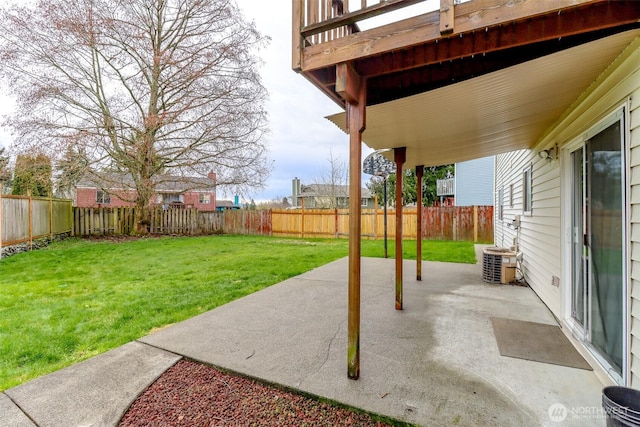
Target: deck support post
400, 156
352, 89
419, 174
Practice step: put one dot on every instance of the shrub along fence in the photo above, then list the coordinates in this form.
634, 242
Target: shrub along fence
474, 223
25, 219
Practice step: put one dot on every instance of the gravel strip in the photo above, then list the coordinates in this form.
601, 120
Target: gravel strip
193, 394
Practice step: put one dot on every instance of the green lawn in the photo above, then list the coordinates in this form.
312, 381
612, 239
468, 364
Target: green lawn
79, 298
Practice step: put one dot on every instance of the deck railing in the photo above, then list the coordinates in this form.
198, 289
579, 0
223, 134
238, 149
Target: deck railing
321, 21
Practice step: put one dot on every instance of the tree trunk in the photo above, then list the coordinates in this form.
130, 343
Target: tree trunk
145, 192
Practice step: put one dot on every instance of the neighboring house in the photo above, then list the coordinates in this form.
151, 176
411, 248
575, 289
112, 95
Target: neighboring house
227, 205
471, 185
474, 182
171, 191
327, 196
446, 191
576, 197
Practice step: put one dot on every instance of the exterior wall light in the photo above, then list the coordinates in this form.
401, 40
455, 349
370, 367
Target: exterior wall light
549, 154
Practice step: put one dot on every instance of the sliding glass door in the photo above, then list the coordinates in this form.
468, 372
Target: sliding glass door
598, 243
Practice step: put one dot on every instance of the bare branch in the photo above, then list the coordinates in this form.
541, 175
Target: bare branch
142, 87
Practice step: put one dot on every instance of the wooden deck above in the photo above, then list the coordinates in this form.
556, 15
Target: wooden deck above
445, 46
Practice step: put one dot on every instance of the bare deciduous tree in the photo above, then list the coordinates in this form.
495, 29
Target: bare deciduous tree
333, 184
145, 88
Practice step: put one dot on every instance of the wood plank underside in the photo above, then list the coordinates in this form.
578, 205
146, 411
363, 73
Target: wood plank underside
423, 67
404, 83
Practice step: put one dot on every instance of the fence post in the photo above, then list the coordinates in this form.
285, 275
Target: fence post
375, 217
475, 224
114, 220
30, 213
455, 226
73, 220
302, 220
50, 217
1, 190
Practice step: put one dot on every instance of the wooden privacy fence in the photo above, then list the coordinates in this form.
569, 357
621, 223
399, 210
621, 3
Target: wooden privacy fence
121, 221
472, 223
24, 218
248, 222
97, 221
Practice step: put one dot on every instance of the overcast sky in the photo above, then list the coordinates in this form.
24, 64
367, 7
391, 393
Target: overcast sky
300, 139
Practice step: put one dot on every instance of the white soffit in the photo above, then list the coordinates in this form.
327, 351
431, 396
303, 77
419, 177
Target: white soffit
496, 113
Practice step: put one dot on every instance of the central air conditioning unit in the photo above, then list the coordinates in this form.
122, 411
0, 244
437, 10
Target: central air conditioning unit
498, 265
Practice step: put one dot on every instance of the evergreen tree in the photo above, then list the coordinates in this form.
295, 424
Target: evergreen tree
409, 188
71, 168
5, 172
32, 173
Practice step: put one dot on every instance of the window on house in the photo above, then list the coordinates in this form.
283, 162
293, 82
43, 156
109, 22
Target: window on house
102, 197
168, 198
501, 203
511, 195
364, 202
526, 190
204, 199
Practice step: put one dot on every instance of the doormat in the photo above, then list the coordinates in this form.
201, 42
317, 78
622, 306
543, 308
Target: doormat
536, 341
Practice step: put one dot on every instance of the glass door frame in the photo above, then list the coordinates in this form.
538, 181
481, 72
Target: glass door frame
582, 326
582, 332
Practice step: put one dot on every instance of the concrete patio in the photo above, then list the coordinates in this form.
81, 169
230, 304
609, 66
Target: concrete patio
434, 363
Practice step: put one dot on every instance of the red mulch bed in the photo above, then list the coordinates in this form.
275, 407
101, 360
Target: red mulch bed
192, 394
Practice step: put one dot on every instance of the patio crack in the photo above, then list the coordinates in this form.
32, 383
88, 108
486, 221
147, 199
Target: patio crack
327, 353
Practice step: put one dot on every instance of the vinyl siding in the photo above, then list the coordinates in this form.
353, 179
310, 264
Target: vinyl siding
634, 130
540, 230
541, 239
474, 182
